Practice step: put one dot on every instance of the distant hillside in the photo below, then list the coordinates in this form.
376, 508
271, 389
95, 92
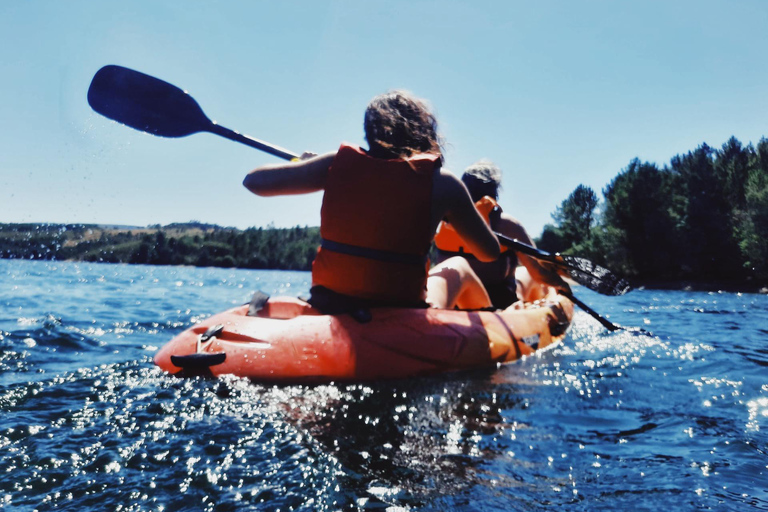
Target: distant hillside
192, 243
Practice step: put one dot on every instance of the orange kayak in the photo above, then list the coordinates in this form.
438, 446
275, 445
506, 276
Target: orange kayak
289, 341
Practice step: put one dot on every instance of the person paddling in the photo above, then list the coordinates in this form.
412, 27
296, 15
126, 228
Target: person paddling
483, 180
381, 208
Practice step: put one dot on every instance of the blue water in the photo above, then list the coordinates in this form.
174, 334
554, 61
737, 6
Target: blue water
622, 421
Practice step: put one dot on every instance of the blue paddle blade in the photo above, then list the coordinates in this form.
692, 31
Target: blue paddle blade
145, 103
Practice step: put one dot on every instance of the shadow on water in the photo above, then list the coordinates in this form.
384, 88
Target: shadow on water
436, 443
406, 442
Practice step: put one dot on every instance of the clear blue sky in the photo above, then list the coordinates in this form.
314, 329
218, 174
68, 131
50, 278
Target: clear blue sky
558, 93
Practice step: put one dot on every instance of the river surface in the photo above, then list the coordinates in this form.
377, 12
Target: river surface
677, 420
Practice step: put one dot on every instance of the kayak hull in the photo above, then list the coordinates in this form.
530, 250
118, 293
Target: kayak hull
289, 341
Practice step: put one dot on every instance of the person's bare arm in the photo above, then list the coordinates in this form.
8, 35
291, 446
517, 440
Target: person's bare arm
512, 228
299, 177
451, 201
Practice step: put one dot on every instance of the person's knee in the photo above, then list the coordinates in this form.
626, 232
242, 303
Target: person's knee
460, 266
454, 282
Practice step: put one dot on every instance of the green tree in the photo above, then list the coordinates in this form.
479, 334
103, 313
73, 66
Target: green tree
552, 239
708, 228
753, 227
640, 216
575, 216
732, 165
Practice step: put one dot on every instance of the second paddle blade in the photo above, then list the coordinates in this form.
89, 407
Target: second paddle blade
595, 277
145, 103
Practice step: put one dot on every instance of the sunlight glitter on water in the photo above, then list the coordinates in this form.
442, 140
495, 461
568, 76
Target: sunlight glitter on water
115, 410
611, 420
758, 413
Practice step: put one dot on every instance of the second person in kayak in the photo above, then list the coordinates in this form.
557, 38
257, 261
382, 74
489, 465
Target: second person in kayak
483, 181
381, 208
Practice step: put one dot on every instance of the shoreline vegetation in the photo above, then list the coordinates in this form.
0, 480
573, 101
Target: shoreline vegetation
209, 245
192, 243
699, 222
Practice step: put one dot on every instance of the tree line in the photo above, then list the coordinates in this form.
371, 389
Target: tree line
193, 244
702, 217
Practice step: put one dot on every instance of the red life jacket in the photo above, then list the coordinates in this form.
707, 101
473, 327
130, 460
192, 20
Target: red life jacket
448, 240
375, 226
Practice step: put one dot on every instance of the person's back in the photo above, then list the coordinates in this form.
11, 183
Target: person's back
375, 227
381, 208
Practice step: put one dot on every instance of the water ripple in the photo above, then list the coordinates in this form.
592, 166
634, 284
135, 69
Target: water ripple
606, 421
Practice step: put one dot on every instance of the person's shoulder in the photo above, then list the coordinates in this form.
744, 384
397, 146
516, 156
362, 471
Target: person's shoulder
326, 157
508, 218
448, 182
512, 228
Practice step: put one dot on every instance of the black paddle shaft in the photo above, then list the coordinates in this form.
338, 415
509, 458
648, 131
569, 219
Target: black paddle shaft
591, 312
581, 270
154, 106
594, 277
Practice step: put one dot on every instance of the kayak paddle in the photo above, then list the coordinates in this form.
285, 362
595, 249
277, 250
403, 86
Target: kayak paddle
151, 105
594, 314
581, 270
154, 106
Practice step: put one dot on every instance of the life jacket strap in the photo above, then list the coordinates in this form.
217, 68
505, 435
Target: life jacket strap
494, 216
374, 254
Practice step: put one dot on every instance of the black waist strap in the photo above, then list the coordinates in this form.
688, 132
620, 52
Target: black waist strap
512, 255
374, 254
448, 254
